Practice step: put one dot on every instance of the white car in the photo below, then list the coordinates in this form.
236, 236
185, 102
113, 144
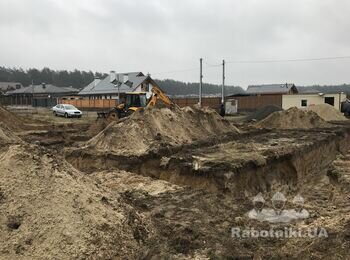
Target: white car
66, 110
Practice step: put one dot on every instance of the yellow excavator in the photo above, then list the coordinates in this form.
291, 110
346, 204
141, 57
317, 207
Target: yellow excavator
134, 101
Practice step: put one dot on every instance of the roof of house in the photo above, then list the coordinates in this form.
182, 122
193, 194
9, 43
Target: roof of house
303, 90
271, 89
43, 89
104, 86
4, 86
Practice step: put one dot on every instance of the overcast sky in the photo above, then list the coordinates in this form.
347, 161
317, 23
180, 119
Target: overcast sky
159, 36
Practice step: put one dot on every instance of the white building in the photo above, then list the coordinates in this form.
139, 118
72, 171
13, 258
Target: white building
311, 99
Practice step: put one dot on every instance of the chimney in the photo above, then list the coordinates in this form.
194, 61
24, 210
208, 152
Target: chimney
112, 76
43, 85
96, 80
120, 78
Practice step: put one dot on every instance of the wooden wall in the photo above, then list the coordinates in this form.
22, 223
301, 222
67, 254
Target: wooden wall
251, 103
212, 102
245, 103
90, 103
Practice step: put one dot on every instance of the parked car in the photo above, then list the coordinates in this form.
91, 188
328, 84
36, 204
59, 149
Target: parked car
66, 110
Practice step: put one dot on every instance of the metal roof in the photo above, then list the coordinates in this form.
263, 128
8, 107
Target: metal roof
43, 89
104, 86
4, 86
270, 89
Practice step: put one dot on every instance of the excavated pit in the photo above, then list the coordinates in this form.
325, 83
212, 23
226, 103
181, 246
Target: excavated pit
258, 161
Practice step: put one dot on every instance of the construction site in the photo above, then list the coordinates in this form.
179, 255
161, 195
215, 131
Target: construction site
172, 183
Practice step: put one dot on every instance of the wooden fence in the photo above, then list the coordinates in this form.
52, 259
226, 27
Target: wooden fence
90, 103
212, 102
251, 103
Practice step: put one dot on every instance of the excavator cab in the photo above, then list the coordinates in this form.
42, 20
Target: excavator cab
135, 101
131, 102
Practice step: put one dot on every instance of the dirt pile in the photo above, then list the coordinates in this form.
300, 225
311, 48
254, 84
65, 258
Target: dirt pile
7, 136
327, 112
48, 210
263, 112
10, 119
157, 127
97, 127
293, 118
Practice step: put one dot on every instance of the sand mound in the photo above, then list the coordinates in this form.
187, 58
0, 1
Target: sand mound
10, 119
7, 136
263, 112
327, 112
151, 128
292, 118
48, 210
97, 126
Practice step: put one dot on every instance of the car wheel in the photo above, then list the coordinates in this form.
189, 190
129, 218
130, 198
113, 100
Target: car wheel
65, 115
55, 114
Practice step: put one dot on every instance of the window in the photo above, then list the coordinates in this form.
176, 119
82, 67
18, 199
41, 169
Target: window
304, 103
329, 100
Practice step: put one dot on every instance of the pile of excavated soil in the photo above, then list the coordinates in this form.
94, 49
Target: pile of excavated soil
49, 210
327, 112
194, 224
152, 128
263, 112
7, 136
97, 126
10, 119
293, 118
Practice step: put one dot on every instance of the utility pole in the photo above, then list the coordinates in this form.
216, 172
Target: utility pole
200, 82
118, 84
223, 83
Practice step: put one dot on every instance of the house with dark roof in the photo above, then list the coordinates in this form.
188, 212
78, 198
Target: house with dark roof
257, 96
284, 96
43, 95
9, 86
117, 84
272, 89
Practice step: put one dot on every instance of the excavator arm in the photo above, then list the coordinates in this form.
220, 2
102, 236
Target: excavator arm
158, 94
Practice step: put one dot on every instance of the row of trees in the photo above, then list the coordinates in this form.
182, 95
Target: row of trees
173, 87
60, 78
327, 89
80, 79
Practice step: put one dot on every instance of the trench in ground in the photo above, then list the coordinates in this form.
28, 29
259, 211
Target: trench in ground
250, 163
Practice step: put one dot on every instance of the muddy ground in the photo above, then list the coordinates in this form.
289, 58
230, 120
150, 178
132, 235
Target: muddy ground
174, 202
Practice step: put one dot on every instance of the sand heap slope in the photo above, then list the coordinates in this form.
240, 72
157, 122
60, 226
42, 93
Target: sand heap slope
327, 112
151, 128
293, 118
48, 210
10, 120
263, 112
7, 136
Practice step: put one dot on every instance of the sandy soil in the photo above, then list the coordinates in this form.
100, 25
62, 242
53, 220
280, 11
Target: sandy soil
153, 128
327, 112
50, 210
293, 118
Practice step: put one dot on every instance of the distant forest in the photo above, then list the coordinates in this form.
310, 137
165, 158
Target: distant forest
178, 88
326, 89
60, 78
79, 79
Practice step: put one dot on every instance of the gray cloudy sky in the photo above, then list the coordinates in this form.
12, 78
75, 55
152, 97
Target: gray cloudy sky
159, 36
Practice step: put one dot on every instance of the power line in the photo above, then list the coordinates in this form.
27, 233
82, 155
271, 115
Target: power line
213, 65
210, 65
175, 71
291, 60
